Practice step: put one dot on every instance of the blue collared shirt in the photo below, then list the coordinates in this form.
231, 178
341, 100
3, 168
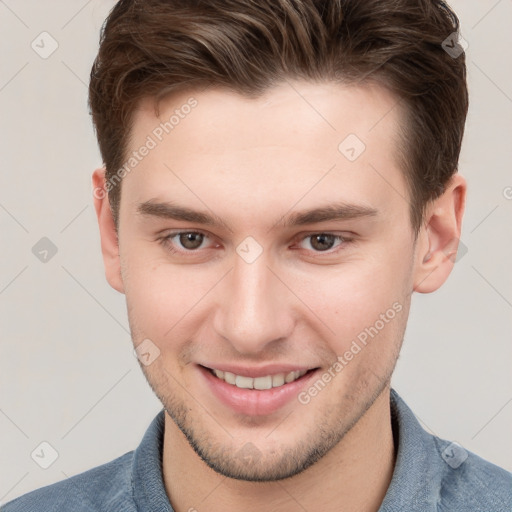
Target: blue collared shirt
430, 475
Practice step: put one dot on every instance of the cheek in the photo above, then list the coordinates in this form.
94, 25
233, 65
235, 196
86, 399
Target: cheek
364, 301
161, 295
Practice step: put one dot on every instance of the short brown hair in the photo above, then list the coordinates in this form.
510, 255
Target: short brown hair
149, 48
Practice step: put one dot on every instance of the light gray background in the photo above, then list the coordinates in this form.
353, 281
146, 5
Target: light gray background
67, 372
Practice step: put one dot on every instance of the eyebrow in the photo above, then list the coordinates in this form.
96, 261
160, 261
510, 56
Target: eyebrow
329, 212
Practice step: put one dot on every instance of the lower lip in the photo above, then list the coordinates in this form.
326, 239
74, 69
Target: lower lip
255, 402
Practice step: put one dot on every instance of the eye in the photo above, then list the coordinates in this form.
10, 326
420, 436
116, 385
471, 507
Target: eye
323, 242
186, 241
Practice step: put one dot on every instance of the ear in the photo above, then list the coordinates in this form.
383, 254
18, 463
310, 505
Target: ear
438, 239
108, 234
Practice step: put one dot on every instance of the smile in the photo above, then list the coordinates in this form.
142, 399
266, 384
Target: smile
260, 383
256, 391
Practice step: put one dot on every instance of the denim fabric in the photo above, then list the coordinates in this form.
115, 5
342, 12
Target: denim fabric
430, 475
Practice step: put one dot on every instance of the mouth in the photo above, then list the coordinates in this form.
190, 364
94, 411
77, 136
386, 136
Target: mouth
260, 383
257, 391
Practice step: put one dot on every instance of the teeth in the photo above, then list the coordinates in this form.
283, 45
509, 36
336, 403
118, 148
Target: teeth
244, 382
290, 377
277, 380
267, 382
229, 377
263, 382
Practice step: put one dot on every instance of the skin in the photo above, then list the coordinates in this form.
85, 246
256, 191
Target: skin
251, 162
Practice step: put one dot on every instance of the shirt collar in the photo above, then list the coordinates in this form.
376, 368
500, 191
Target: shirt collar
147, 475
416, 478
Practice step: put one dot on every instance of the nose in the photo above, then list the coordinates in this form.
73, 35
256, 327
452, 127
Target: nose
254, 307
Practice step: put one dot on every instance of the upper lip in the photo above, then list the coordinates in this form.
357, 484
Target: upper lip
257, 371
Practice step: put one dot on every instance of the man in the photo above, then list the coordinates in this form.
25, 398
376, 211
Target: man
280, 176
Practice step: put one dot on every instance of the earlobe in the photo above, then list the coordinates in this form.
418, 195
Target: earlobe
438, 240
108, 233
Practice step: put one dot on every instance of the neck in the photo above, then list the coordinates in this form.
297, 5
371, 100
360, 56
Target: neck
354, 475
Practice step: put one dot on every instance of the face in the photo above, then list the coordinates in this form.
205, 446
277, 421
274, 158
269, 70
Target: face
257, 252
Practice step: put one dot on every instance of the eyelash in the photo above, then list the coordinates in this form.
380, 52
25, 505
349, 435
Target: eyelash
166, 242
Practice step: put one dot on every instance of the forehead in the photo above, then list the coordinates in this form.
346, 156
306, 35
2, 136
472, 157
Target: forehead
303, 108
294, 137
